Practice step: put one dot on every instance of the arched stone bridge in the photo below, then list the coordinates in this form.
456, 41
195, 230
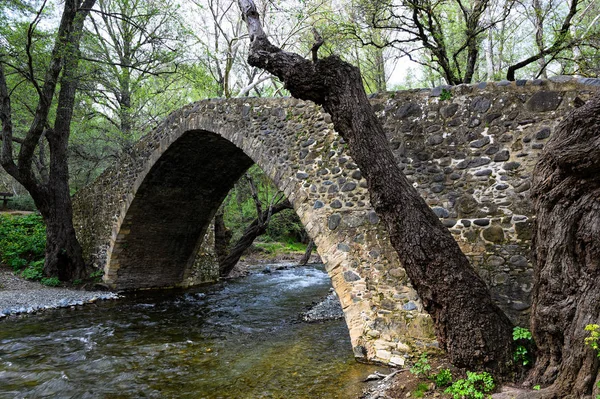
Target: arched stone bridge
144, 221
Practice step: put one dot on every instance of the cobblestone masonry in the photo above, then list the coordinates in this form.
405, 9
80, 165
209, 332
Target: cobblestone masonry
468, 149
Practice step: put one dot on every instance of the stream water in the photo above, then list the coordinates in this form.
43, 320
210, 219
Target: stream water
240, 339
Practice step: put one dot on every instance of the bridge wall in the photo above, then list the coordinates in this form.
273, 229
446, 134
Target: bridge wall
469, 150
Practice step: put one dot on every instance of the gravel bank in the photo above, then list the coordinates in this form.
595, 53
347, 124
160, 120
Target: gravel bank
19, 296
328, 309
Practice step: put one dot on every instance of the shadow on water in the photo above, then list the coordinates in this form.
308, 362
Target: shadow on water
240, 339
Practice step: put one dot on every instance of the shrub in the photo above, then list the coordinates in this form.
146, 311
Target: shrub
443, 378
593, 341
421, 367
51, 281
22, 241
34, 271
474, 387
522, 336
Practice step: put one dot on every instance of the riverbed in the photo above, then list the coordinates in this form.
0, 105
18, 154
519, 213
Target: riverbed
238, 339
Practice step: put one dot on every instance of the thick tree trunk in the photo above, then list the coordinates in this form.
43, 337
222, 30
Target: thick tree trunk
566, 295
63, 253
257, 228
473, 330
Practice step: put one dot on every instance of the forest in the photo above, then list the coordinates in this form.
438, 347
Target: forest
82, 81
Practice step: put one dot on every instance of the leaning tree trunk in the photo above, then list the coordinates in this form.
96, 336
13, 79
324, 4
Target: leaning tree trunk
257, 228
468, 324
222, 237
306, 257
566, 295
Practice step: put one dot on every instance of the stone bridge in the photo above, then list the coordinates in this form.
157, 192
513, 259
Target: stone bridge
468, 149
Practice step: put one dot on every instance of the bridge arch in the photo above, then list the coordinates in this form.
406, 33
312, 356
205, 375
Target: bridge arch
150, 213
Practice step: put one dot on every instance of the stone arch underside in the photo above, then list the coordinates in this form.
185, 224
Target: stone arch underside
470, 157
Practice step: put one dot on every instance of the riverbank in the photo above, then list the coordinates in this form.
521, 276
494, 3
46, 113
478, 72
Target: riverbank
19, 296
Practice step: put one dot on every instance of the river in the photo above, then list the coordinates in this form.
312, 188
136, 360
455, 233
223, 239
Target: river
238, 339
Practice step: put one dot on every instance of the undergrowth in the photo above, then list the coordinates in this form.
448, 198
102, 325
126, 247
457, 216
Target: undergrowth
22, 244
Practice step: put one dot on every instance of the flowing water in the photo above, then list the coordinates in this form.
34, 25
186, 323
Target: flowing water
240, 339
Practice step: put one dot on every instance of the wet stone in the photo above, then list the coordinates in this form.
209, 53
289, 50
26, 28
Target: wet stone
302, 175
409, 306
318, 205
502, 186
465, 222
502, 156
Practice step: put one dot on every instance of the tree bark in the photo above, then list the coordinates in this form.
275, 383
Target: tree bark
50, 191
306, 257
566, 293
473, 330
222, 237
257, 228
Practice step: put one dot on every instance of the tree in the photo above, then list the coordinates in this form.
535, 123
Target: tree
566, 294
449, 32
49, 185
473, 330
135, 48
228, 256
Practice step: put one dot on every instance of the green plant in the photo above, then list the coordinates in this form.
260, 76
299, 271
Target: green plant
96, 275
419, 392
421, 366
521, 354
537, 387
593, 341
475, 386
34, 271
77, 282
22, 240
443, 378
446, 95
51, 281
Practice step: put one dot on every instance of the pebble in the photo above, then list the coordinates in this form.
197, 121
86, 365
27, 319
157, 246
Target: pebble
19, 296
